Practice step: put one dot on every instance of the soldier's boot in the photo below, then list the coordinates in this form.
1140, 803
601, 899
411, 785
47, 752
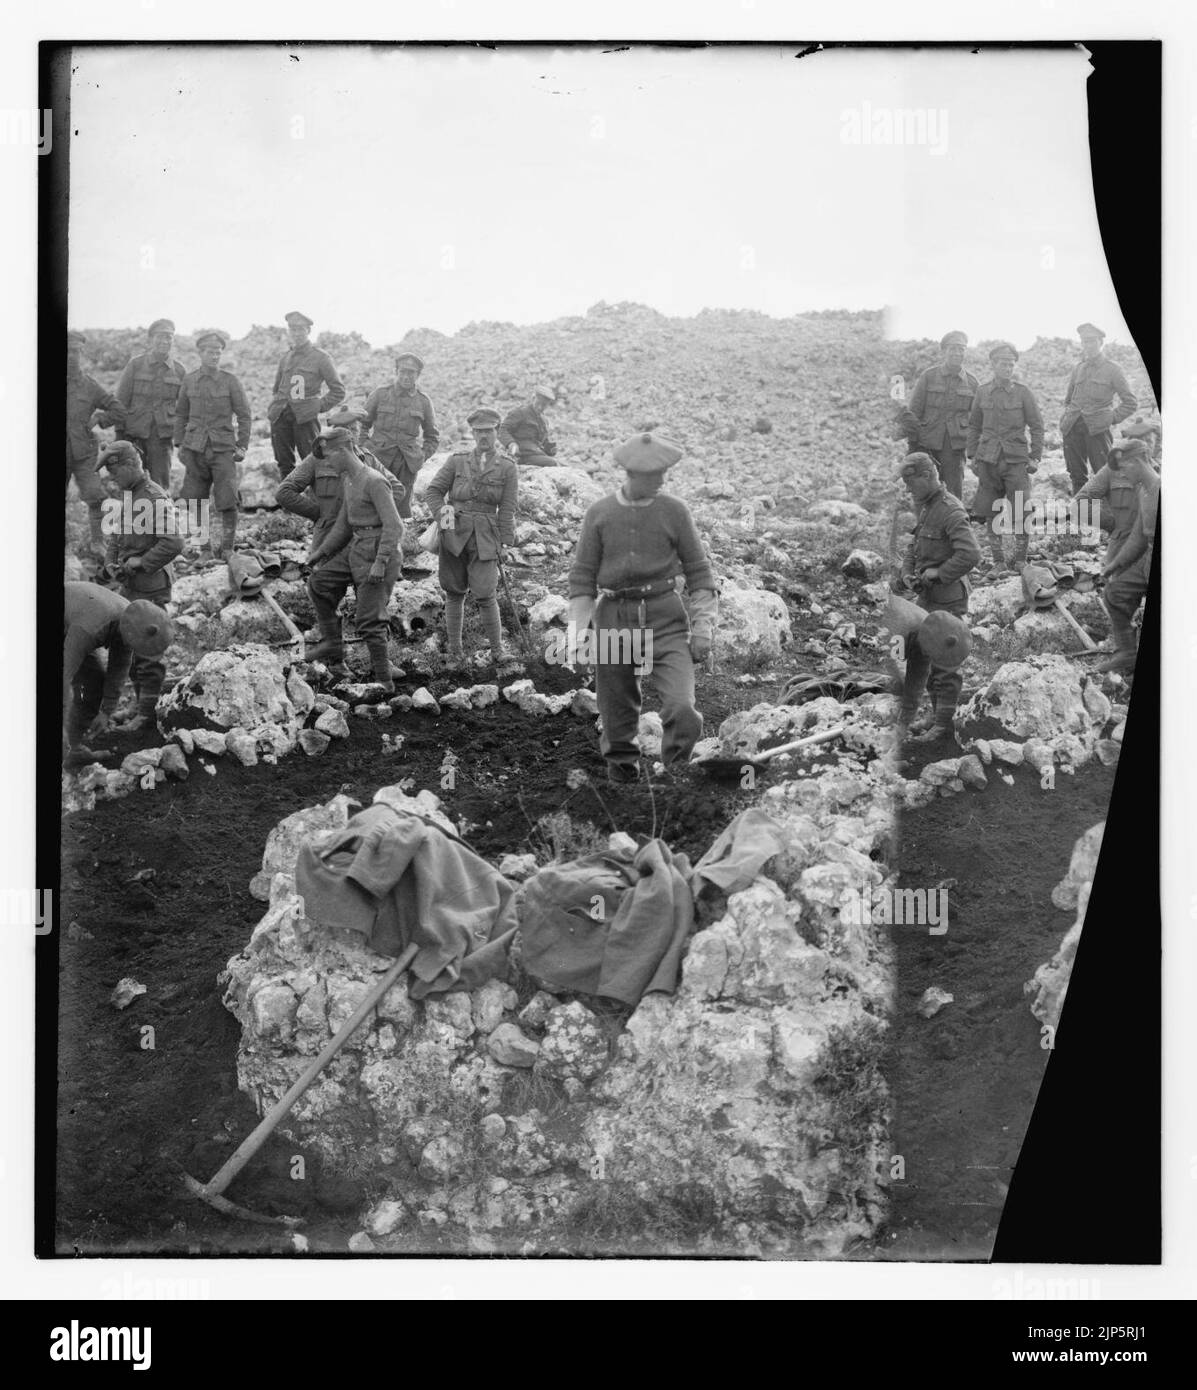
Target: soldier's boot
381, 662
1125, 647
330, 649
941, 727
492, 625
996, 551
222, 549
95, 548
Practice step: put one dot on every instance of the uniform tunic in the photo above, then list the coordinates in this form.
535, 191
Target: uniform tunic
149, 530
1002, 417
149, 390
1089, 414
936, 420
526, 427
369, 525
85, 395
91, 622
297, 401
403, 434
483, 490
210, 399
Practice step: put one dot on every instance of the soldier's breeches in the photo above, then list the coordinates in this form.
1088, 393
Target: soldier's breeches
210, 473
157, 453
1084, 451
950, 463
92, 492
671, 674
88, 686
1006, 479
1123, 594
373, 595
534, 458
292, 441
466, 573
328, 585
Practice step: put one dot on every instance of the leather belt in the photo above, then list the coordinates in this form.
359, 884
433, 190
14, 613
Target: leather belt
659, 586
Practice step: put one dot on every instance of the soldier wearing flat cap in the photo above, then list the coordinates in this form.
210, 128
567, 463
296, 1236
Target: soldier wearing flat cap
297, 400
526, 432
1131, 487
473, 497
1089, 417
1005, 444
212, 422
149, 389
97, 620
143, 540
936, 417
315, 488
369, 528
942, 552
632, 549
86, 403
402, 423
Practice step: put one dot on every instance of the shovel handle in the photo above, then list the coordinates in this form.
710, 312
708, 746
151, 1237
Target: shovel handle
279, 1110
1089, 644
825, 737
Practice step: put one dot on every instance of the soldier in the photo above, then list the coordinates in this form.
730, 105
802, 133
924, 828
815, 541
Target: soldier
95, 617
315, 489
1133, 489
402, 423
526, 432
632, 547
209, 400
1089, 415
85, 398
942, 551
141, 546
148, 389
936, 419
473, 497
369, 524
1004, 413
297, 400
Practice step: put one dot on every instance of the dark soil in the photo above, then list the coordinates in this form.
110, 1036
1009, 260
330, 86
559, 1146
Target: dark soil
964, 1082
159, 883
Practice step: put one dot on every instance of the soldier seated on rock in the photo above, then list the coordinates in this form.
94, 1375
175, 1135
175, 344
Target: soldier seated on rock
526, 432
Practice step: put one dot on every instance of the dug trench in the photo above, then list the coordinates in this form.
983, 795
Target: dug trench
155, 886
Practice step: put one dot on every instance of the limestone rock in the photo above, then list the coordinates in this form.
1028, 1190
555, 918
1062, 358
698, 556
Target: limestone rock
385, 1217
173, 763
423, 699
751, 622
1043, 697
536, 1011
208, 741
573, 1045
971, 772
508, 1045
239, 688
517, 866
1049, 985
489, 1004
313, 742
1081, 868
333, 723
312, 825
864, 565
934, 999
243, 746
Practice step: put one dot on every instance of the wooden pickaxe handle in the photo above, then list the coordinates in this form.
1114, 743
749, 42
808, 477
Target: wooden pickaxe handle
280, 1109
1089, 644
825, 737
296, 635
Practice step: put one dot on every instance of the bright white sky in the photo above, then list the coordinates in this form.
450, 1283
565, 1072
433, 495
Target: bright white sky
382, 189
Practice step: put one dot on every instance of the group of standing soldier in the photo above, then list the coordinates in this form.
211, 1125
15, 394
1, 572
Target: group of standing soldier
997, 425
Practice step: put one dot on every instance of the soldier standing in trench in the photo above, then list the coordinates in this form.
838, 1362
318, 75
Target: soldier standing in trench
315, 488
368, 523
402, 424
473, 497
1133, 487
1087, 424
140, 550
631, 549
1004, 413
936, 418
209, 401
297, 401
148, 389
86, 399
942, 551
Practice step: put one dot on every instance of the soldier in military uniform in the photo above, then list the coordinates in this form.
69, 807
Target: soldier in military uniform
85, 399
209, 401
1132, 488
143, 539
632, 547
473, 497
402, 424
942, 551
936, 418
315, 489
368, 523
526, 432
1087, 424
148, 389
96, 619
1004, 413
297, 400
